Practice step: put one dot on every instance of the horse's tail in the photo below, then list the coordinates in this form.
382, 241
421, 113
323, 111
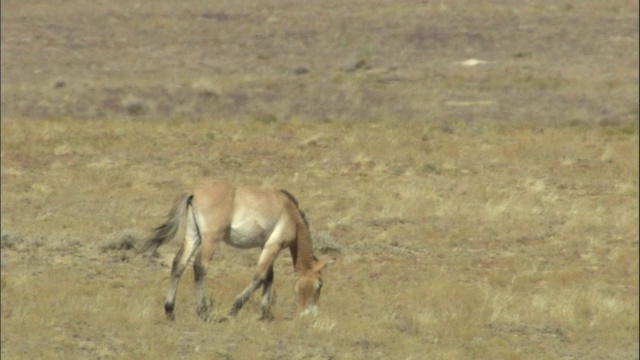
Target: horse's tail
175, 222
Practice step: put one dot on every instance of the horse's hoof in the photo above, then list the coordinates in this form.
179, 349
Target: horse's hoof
266, 317
205, 316
226, 318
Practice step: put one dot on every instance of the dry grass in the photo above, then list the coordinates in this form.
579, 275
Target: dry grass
516, 243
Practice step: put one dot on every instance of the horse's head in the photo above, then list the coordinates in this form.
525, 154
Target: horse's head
308, 287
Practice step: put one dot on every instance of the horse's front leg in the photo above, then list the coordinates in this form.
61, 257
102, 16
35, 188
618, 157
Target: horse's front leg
263, 275
267, 292
245, 295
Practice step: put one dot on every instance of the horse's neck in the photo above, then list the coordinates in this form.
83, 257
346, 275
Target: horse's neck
301, 248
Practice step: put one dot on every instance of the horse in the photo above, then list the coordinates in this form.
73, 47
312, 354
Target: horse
243, 217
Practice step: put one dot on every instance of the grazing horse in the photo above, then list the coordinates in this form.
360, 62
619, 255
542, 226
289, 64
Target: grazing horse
243, 217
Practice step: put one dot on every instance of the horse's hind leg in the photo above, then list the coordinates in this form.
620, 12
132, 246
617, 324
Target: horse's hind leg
200, 266
267, 292
180, 261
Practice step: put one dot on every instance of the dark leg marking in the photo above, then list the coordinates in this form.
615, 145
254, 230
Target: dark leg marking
246, 294
267, 296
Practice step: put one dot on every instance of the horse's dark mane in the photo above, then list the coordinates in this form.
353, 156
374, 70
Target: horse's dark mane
295, 202
290, 196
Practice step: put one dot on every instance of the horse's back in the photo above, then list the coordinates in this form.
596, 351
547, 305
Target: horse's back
223, 194
214, 201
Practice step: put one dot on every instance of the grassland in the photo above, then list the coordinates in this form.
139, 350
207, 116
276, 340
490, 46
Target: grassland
476, 212
507, 242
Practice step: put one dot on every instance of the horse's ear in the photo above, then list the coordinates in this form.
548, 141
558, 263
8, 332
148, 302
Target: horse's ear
322, 262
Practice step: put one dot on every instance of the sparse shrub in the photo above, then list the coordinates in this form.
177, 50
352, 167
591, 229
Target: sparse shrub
123, 245
430, 168
358, 64
125, 240
231, 161
9, 241
135, 106
206, 88
386, 222
325, 243
266, 118
19, 242
300, 70
59, 83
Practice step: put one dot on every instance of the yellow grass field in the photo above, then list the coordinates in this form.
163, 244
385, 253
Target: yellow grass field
502, 242
483, 210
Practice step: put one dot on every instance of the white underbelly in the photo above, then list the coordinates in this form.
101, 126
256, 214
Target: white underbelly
250, 229
247, 237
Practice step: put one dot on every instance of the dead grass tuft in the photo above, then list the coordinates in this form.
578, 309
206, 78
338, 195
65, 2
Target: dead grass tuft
124, 245
324, 243
124, 240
